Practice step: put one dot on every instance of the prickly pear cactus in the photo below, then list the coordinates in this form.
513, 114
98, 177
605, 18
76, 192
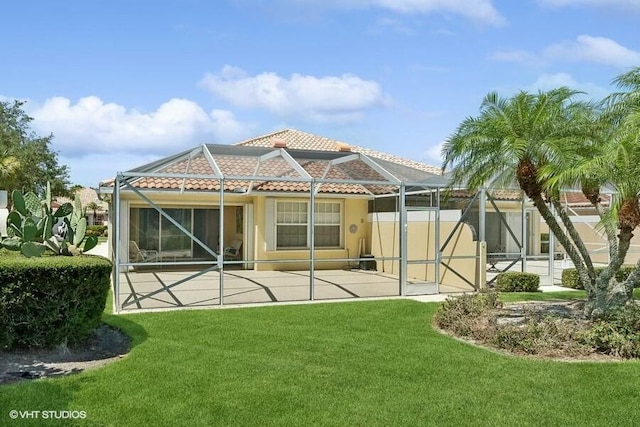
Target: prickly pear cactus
33, 227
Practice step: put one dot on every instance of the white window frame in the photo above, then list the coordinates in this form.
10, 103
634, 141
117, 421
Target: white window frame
273, 245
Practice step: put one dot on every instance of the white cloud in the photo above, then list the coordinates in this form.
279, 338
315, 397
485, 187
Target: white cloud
329, 98
517, 56
477, 10
91, 125
627, 4
433, 154
92, 168
552, 81
396, 26
599, 50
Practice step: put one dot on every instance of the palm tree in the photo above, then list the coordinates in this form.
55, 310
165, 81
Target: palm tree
518, 140
611, 158
8, 166
94, 207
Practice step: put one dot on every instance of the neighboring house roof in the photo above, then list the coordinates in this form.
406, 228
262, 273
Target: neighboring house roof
87, 195
572, 199
277, 159
505, 195
578, 200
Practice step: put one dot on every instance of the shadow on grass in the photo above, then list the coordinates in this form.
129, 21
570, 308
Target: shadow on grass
136, 333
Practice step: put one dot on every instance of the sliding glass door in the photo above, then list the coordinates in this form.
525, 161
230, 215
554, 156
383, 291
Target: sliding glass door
152, 231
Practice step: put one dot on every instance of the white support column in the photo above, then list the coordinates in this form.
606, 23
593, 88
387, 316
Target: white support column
552, 248
402, 237
221, 242
116, 245
523, 241
312, 238
438, 254
482, 212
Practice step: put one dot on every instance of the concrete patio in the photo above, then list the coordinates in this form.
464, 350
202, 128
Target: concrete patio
171, 289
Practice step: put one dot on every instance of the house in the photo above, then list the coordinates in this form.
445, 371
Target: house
290, 201
96, 210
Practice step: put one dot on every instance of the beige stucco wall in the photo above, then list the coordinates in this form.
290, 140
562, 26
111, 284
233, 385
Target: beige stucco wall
421, 245
595, 241
355, 213
361, 234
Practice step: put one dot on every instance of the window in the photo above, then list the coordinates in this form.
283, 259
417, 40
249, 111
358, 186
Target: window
171, 237
291, 225
292, 219
327, 227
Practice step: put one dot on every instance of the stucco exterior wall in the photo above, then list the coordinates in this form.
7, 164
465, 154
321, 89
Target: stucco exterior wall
354, 214
422, 243
595, 241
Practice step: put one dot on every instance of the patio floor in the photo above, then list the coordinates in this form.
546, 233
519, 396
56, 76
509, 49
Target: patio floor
170, 289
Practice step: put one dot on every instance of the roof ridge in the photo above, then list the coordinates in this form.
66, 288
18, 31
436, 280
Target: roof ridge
382, 155
267, 135
300, 135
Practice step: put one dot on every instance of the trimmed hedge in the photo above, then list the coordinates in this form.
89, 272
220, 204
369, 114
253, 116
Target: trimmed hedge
50, 300
97, 230
512, 281
570, 277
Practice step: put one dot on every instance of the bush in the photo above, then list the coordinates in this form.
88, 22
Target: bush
618, 334
570, 277
512, 281
458, 313
97, 230
51, 300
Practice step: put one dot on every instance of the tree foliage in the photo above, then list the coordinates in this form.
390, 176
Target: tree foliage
547, 142
27, 161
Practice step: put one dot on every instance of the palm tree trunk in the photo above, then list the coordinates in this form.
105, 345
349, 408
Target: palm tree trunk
575, 237
610, 293
585, 278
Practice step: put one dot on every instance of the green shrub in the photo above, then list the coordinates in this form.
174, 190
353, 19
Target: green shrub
459, 313
97, 230
512, 281
618, 334
570, 278
51, 300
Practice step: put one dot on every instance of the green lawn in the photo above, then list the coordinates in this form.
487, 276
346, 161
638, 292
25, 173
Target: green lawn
360, 363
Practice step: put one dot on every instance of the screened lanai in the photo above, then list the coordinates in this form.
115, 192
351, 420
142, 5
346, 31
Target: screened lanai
293, 216
229, 224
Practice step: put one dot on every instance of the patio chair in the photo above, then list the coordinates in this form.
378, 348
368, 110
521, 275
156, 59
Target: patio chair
233, 252
141, 255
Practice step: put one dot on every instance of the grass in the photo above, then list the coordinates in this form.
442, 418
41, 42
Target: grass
357, 363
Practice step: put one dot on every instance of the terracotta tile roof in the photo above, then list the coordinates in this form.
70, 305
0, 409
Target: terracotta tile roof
569, 198
244, 160
87, 195
298, 140
506, 195
578, 200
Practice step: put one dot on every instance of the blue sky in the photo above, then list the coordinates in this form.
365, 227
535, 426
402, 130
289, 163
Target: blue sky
123, 82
